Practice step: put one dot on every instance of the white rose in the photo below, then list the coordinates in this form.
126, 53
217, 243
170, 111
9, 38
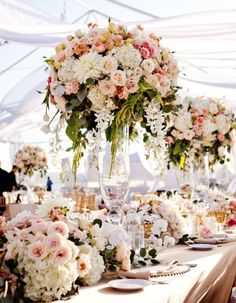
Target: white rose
118, 77
209, 127
168, 241
100, 244
108, 64
183, 122
148, 65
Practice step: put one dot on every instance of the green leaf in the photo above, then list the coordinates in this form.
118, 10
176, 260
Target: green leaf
90, 81
142, 263
132, 254
75, 102
182, 161
152, 253
82, 94
155, 262
167, 108
143, 252
97, 221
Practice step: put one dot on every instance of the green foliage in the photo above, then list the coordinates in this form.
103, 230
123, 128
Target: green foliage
97, 221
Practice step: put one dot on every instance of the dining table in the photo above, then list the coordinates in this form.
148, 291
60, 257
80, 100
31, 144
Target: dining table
210, 279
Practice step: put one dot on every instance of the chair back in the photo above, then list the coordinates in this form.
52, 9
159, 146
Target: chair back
2, 201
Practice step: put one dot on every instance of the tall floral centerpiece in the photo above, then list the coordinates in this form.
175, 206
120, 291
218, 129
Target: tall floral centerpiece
202, 126
106, 78
31, 159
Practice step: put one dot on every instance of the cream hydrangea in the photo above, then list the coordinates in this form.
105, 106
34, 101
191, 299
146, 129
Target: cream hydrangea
88, 66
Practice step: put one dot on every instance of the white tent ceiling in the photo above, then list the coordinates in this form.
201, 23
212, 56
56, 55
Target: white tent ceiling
203, 34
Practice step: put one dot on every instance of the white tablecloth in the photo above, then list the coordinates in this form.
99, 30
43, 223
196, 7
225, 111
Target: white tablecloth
209, 282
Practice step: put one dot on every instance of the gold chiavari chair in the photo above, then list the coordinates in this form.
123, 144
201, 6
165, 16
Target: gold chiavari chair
2, 205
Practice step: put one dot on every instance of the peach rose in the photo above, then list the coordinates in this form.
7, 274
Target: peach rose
107, 88
108, 64
118, 77
132, 85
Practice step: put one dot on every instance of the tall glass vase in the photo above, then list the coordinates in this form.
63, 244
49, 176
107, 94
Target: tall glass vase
114, 173
201, 177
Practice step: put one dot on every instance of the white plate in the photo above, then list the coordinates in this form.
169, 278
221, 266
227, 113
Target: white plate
129, 284
202, 246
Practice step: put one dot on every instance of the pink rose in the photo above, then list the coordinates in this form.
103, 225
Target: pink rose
174, 133
54, 241
36, 251
107, 88
200, 120
205, 232
220, 137
144, 52
122, 93
152, 51
63, 255
39, 226
132, 85
98, 46
118, 77
169, 140
59, 227
72, 87
137, 45
146, 44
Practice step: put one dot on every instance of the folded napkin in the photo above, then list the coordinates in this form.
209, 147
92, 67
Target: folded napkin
134, 274
154, 272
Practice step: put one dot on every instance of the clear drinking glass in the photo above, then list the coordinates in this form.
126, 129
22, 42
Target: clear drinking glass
114, 173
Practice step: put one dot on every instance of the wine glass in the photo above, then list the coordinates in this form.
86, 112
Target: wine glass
114, 174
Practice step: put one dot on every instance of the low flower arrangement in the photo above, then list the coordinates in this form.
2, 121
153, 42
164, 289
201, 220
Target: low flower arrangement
49, 257
106, 78
203, 125
162, 222
31, 159
45, 257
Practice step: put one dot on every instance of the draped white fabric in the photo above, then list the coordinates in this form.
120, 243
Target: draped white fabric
204, 42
